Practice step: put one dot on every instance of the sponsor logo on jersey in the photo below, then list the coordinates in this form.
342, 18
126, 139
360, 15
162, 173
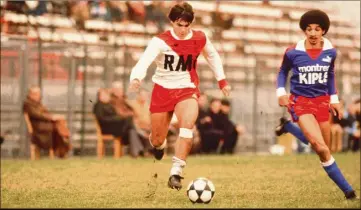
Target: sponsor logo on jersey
313, 74
327, 59
185, 63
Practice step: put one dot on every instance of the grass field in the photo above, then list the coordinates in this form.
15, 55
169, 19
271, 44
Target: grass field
241, 182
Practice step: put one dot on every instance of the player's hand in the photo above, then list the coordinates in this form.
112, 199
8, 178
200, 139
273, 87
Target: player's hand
226, 90
134, 85
337, 111
285, 101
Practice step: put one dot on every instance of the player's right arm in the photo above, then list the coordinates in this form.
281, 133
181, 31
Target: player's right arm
139, 71
282, 79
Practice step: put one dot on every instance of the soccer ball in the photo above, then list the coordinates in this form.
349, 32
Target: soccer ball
200, 190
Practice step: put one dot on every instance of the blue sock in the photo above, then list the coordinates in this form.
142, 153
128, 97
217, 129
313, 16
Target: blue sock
296, 131
335, 174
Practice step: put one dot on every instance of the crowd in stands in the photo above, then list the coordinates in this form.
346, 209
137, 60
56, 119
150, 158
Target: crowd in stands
142, 12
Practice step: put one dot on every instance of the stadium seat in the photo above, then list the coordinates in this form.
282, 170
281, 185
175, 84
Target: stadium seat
34, 149
106, 137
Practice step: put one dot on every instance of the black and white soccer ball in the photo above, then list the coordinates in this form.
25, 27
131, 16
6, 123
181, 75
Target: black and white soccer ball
200, 190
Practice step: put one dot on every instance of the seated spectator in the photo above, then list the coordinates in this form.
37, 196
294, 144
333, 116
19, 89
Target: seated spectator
231, 130
335, 144
356, 126
210, 128
141, 118
202, 118
125, 111
49, 130
141, 111
351, 125
109, 121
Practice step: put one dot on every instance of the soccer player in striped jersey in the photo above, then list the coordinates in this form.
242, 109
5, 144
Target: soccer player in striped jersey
176, 83
313, 91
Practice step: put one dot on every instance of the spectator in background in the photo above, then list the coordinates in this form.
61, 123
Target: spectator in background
117, 10
355, 142
49, 130
357, 126
231, 130
59, 7
126, 112
350, 126
36, 8
203, 112
136, 11
221, 21
155, 12
141, 117
79, 11
18, 7
110, 122
203, 118
98, 10
211, 130
335, 144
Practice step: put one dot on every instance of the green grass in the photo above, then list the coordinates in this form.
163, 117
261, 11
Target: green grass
296, 181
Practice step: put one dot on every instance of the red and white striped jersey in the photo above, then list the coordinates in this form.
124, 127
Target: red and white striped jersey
176, 60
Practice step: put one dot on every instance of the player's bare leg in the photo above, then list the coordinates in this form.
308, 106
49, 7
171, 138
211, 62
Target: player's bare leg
160, 123
312, 131
186, 112
318, 134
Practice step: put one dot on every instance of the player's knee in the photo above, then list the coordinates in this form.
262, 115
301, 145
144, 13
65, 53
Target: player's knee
157, 138
189, 124
321, 149
185, 133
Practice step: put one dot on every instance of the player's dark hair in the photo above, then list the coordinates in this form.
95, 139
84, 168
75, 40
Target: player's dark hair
225, 102
315, 17
183, 11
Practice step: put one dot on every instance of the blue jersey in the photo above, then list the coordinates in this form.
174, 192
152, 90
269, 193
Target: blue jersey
310, 77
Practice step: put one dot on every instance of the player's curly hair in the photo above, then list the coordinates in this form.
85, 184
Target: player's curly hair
315, 17
183, 11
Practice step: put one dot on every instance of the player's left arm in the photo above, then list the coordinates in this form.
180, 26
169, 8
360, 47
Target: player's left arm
215, 63
332, 91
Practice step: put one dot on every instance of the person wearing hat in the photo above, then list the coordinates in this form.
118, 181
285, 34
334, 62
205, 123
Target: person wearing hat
312, 90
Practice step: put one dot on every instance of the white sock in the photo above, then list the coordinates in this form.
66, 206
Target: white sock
177, 167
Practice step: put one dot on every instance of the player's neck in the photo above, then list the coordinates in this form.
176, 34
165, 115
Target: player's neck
309, 46
188, 36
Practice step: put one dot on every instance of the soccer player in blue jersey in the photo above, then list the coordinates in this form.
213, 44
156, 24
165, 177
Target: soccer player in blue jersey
313, 91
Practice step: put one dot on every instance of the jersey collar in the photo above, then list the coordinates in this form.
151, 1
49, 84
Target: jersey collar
190, 34
326, 45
